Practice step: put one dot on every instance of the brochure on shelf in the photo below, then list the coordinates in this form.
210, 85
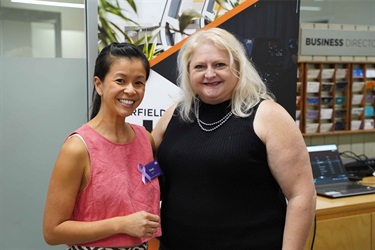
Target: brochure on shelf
370, 73
340, 113
355, 124
340, 100
312, 87
341, 86
357, 99
357, 73
369, 124
312, 114
327, 73
313, 100
341, 73
313, 73
326, 113
369, 111
357, 86
327, 100
357, 111
312, 127
327, 86
325, 127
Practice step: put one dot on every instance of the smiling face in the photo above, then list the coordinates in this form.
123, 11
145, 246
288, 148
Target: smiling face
210, 74
123, 87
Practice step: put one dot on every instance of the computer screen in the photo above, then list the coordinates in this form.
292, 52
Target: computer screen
326, 163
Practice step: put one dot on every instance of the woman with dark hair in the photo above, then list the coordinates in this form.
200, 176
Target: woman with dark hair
98, 196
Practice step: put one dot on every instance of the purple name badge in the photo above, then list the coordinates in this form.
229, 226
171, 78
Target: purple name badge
150, 171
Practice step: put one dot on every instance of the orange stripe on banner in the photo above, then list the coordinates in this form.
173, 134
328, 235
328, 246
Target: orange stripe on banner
230, 14
214, 23
166, 54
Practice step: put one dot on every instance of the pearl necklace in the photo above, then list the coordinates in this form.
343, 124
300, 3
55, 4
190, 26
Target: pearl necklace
218, 123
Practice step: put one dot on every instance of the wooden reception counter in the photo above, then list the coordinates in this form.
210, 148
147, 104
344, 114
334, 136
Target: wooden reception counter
345, 223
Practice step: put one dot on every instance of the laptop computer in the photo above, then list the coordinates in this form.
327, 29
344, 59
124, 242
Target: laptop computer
330, 177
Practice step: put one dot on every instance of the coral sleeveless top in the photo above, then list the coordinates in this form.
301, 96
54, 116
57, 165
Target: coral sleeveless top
115, 187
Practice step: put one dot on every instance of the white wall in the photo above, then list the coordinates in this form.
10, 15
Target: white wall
43, 98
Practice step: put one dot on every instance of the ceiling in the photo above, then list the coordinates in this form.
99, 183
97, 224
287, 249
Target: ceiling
357, 12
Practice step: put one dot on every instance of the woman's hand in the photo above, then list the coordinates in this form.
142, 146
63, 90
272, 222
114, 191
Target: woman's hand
140, 224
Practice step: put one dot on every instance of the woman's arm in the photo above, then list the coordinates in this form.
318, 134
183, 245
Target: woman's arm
290, 164
152, 144
161, 126
69, 176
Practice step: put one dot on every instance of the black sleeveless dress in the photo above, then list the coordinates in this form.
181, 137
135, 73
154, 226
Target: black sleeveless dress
218, 191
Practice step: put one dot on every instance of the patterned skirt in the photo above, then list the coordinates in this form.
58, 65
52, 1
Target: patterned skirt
144, 246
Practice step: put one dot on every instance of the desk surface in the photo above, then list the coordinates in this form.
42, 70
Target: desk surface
328, 208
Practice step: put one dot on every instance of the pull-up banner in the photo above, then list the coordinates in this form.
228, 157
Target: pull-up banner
268, 30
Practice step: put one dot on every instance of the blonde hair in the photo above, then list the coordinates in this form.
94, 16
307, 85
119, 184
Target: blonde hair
250, 88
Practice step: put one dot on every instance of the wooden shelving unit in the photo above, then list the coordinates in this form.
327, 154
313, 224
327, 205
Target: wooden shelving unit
335, 97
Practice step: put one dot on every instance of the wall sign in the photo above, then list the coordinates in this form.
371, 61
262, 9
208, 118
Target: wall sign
319, 42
